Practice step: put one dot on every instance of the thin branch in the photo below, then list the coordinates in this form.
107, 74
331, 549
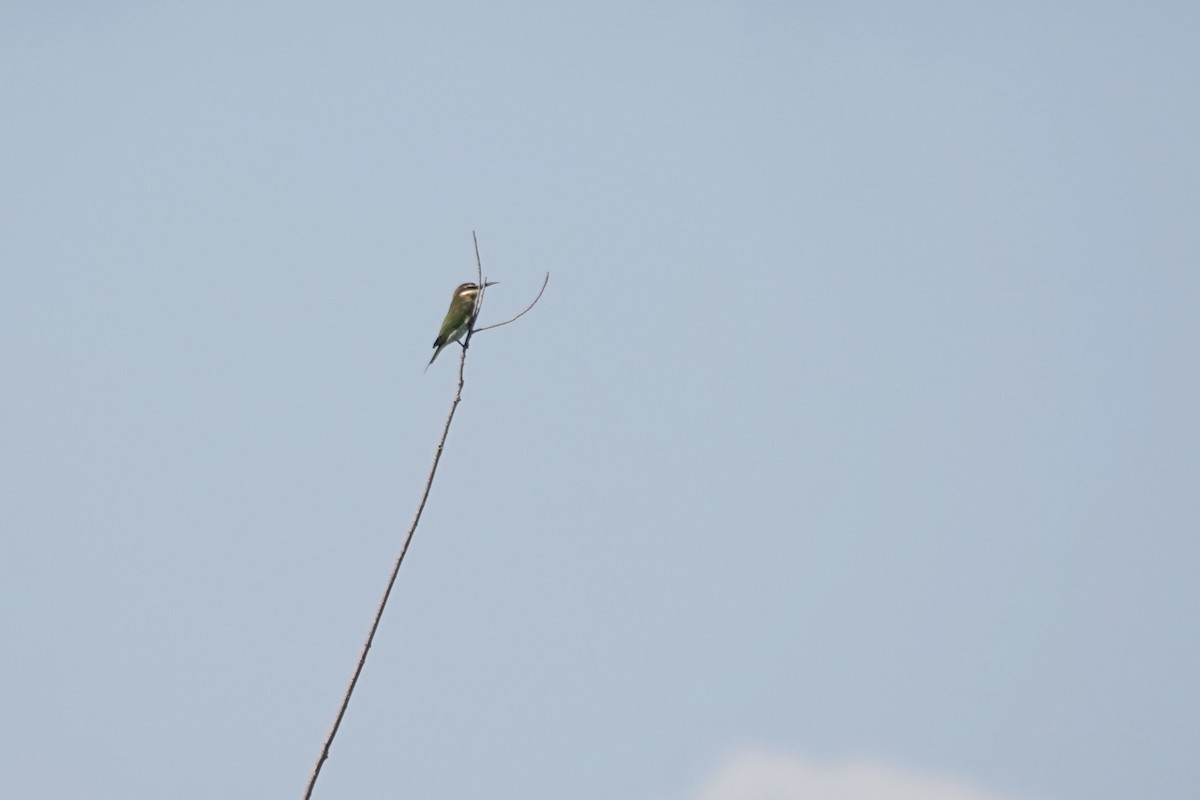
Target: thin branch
545, 281
482, 284
437, 458
362, 657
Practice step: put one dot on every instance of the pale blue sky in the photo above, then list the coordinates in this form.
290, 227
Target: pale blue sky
859, 420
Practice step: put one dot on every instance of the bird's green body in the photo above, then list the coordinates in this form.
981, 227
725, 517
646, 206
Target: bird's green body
459, 319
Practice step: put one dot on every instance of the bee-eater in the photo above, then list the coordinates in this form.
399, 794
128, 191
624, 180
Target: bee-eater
459, 318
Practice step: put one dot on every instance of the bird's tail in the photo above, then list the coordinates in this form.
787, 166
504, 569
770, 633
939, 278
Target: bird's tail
436, 353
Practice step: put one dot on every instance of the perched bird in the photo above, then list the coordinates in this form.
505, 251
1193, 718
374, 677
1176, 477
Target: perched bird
459, 318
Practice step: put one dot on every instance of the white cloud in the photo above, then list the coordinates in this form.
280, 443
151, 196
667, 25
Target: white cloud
771, 776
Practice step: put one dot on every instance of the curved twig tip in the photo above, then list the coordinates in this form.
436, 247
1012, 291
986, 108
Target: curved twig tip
545, 281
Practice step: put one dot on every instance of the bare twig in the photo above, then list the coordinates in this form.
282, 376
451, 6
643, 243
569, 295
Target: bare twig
400, 559
437, 457
482, 284
545, 281
362, 658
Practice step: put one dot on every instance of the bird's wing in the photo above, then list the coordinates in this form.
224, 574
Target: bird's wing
449, 333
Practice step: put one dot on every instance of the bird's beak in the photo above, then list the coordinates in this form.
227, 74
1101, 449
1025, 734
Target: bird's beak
490, 283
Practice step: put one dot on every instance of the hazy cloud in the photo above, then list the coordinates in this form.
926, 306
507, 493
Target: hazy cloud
756, 775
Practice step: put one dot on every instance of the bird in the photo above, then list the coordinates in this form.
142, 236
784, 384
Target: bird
459, 318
